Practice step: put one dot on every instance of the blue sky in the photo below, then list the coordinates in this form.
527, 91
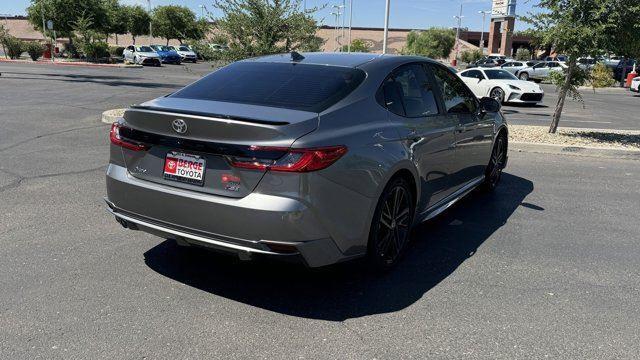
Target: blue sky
415, 14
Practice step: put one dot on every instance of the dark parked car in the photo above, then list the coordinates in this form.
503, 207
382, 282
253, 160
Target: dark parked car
318, 157
624, 67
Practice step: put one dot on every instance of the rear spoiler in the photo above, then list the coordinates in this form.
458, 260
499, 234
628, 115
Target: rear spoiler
207, 114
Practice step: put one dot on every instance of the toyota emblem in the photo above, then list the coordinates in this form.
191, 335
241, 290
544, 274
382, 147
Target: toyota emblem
179, 126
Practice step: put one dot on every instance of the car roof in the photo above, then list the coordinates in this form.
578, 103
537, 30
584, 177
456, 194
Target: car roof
341, 59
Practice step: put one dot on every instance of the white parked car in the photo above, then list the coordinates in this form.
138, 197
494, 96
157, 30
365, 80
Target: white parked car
540, 71
635, 84
143, 55
185, 53
501, 85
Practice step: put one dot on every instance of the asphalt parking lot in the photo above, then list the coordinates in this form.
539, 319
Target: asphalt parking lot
547, 266
612, 108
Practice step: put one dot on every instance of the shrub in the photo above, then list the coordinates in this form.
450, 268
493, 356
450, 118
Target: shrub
116, 50
357, 45
471, 56
34, 49
205, 51
96, 50
601, 76
71, 49
523, 54
15, 47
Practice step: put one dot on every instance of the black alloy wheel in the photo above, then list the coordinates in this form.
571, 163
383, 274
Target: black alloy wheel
497, 94
493, 172
392, 223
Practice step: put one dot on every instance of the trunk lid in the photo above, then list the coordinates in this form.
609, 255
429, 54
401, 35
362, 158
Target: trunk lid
196, 132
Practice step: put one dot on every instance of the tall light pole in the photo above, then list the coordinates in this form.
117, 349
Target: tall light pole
150, 29
335, 30
344, 12
338, 13
350, 22
459, 18
484, 14
386, 27
201, 6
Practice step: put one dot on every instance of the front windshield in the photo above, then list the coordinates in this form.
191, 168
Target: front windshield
161, 48
184, 48
144, 49
499, 75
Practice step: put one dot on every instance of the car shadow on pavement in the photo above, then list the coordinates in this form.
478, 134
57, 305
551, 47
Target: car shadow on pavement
350, 290
95, 79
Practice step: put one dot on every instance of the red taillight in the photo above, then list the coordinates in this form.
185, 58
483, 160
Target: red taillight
295, 160
116, 139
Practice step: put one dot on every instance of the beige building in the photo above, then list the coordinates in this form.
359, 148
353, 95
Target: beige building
20, 27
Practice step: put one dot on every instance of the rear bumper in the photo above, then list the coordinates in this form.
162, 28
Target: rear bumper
256, 224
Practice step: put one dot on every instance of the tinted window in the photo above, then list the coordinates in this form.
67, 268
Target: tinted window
516, 64
409, 86
286, 85
540, 65
476, 74
144, 49
553, 64
531, 63
457, 97
184, 48
500, 75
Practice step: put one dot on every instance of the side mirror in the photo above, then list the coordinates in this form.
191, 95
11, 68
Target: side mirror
489, 105
479, 79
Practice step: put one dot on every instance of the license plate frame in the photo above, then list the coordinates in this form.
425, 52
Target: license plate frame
184, 168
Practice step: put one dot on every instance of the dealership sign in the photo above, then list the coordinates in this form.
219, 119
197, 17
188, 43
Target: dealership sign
503, 8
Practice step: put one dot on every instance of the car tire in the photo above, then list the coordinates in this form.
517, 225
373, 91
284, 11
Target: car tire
391, 225
523, 76
498, 94
497, 162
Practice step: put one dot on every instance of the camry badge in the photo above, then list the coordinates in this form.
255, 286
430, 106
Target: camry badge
179, 126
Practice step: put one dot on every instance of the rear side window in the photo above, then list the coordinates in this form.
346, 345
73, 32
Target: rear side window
408, 92
458, 99
284, 85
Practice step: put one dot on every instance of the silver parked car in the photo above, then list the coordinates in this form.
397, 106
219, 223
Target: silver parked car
515, 66
540, 71
143, 55
318, 157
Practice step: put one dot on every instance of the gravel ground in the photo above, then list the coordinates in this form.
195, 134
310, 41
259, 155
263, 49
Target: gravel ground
598, 138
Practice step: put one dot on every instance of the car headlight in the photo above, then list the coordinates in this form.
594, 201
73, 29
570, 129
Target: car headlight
513, 87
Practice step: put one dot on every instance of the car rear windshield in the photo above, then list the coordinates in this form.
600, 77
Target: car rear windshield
184, 48
284, 85
499, 75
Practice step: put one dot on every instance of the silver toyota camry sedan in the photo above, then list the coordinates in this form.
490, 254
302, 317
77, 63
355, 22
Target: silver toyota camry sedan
314, 157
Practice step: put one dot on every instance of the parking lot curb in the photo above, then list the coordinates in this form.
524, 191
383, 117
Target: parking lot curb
111, 116
609, 153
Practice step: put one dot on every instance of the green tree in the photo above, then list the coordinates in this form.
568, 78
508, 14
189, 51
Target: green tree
138, 21
117, 18
65, 13
434, 43
357, 45
175, 22
580, 28
260, 27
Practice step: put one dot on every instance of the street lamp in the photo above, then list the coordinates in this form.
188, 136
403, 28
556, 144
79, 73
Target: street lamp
335, 30
350, 21
484, 14
338, 13
201, 6
459, 18
386, 27
150, 29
